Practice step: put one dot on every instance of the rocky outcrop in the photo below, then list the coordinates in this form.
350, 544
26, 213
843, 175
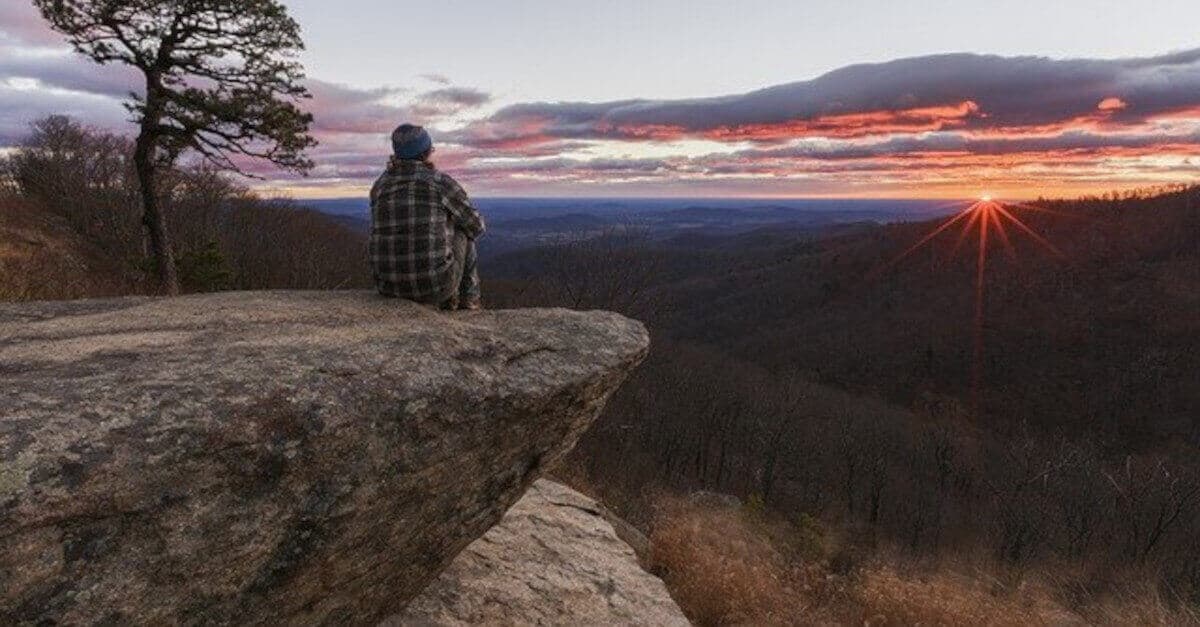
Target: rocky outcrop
277, 456
553, 560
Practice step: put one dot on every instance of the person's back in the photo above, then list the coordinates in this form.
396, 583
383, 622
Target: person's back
423, 229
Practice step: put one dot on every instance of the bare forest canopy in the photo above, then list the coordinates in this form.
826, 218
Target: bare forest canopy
804, 371
79, 183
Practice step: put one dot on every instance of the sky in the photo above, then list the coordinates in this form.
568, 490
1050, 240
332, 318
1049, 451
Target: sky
921, 99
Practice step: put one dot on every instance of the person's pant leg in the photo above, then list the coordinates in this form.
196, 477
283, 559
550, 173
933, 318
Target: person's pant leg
465, 274
469, 293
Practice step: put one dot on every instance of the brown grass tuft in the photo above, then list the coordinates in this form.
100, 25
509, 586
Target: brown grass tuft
727, 565
722, 567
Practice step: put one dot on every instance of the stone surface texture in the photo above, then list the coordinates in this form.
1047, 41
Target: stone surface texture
553, 560
274, 457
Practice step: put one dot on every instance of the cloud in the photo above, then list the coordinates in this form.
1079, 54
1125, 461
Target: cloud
964, 144
1112, 103
460, 96
21, 107
353, 125
66, 71
21, 23
36, 82
922, 94
945, 122
344, 109
449, 101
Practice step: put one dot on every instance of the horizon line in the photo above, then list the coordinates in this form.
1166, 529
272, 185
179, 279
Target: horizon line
680, 198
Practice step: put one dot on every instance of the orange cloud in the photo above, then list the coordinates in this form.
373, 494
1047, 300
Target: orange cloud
851, 125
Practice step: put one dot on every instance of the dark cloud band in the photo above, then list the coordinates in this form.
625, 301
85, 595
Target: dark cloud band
943, 92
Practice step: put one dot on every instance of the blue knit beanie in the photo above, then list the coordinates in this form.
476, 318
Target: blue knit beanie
410, 141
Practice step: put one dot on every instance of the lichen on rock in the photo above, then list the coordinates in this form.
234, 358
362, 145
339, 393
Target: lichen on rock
262, 457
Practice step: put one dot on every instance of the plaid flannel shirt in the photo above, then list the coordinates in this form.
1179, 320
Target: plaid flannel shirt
414, 212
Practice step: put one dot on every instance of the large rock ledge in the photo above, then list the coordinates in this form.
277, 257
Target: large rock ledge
274, 456
553, 560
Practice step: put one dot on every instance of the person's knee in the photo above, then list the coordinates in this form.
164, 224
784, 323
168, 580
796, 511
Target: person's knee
462, 246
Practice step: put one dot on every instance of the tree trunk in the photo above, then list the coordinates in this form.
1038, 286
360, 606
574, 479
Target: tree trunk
152, 217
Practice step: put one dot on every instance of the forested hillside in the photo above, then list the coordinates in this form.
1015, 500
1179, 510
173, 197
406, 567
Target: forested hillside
816, 376
71, 222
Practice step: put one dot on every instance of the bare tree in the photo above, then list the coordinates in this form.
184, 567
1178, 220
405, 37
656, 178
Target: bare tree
616, 270
220, 79
85, 176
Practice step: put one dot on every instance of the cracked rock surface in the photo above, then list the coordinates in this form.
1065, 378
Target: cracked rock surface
552, 560
265, 457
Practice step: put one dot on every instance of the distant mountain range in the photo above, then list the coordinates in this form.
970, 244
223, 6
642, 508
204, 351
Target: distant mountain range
509, 209
516, 223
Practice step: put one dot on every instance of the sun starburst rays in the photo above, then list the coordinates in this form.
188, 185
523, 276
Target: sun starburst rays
1045, 243
929, 237
976, 214
979, 221
983, 217
1004, 239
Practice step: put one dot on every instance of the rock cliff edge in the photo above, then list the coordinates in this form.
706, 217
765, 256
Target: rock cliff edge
274, 456
554, 559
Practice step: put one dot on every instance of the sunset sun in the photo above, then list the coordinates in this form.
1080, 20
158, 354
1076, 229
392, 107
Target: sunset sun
986, 221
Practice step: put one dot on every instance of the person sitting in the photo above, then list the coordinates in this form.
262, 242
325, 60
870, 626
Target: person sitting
423, 229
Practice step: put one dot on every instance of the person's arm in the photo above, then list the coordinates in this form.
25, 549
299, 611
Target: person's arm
464, 215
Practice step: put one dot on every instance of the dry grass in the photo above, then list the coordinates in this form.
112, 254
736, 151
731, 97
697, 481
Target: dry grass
890, 597
735, 566
945, 596
721, 569
41, 258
